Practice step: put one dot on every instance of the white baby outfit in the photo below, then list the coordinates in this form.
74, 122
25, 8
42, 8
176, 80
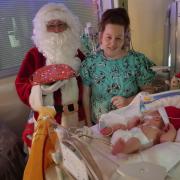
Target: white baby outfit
127, 134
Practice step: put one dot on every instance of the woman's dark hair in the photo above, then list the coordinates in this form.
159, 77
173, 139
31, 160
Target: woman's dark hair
115, 16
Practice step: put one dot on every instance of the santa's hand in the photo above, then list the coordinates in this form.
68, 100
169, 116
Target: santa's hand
48, 89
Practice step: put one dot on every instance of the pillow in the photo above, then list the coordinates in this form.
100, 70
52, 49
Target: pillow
52, 73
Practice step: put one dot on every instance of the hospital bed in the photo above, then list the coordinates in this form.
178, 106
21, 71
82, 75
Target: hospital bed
162, 161
83, 154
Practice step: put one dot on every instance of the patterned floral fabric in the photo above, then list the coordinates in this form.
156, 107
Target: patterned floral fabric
108, 78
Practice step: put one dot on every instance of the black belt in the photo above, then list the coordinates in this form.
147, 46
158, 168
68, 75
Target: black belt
59, 108
70, 107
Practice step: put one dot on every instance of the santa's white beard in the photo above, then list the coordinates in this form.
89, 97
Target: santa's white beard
59, 48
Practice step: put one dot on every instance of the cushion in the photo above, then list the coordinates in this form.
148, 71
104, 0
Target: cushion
52, 73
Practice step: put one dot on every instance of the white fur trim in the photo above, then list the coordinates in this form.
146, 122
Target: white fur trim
69, 95
48, 100
35, 98
70, 92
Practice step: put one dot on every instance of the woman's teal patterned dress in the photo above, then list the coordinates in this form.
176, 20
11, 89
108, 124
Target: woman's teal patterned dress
108, 78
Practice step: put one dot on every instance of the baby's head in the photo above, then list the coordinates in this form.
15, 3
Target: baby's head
153, 118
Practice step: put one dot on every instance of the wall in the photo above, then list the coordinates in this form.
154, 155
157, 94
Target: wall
120, 3
147, 26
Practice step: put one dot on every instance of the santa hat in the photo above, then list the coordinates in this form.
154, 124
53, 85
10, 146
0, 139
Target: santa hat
178, 75
174, 116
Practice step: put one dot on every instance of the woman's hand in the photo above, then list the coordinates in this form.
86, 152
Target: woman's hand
119, 101
148, 88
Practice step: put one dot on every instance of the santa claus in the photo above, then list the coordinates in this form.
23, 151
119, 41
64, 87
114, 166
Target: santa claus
56, 36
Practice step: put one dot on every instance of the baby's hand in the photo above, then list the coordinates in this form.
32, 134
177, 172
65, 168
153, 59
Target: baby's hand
133, 122
107, 131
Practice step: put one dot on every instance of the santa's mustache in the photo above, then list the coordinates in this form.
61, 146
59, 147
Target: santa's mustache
59, 39
56, 40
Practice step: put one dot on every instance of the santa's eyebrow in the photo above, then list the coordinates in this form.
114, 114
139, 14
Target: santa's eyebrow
55, 23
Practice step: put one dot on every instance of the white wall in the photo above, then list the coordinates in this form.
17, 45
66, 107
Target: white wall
147, 26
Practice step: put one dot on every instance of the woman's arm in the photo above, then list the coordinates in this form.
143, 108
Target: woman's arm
86, 103
148, 88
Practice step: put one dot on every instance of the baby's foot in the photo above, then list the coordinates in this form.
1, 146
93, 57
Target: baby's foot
107, 131
118, 147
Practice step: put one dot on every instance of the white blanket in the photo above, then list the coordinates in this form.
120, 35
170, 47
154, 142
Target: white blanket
166, 155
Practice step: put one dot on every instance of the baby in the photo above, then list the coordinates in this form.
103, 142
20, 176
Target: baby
140, 133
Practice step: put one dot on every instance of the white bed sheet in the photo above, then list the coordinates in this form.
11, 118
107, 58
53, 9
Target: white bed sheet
166, 155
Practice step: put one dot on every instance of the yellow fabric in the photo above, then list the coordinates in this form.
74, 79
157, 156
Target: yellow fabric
43, 144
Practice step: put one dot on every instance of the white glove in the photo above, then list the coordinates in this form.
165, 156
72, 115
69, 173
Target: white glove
49, 89
35, 98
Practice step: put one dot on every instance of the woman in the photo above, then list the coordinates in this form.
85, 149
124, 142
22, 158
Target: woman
114, 75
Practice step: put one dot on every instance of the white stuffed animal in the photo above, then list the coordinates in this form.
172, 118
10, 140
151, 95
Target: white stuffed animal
174, 83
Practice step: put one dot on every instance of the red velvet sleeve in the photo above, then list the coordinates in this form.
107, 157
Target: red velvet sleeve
32, 61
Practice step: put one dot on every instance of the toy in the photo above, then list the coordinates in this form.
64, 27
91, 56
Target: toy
174, 83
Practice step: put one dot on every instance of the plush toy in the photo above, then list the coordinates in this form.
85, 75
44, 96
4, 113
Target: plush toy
50, 74
54, 77
50, 78
44, 142
174, 83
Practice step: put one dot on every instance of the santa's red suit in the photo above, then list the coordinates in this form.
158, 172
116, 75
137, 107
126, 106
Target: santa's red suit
33, 61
